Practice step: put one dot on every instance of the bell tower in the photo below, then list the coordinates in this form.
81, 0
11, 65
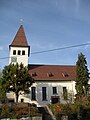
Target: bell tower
19, 48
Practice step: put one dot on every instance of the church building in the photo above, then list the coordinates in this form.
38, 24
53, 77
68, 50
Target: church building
53, 83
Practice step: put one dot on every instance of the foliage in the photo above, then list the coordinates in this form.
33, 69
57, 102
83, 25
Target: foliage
2, 92
83, 100
79, 109
5, 111
82, 75
56, 108
0, 73
17, 110
20, 109
16, 78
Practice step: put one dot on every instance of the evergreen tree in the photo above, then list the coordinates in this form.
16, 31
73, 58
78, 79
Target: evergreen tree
82, 75
2, 92
0, 73
16, 78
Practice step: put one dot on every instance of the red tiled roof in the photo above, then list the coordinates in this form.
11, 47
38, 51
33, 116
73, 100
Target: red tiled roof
52, 72
20, 38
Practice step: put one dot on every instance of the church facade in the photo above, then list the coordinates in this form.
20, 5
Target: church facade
53, 83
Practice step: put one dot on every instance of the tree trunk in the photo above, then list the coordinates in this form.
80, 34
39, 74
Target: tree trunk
17, 97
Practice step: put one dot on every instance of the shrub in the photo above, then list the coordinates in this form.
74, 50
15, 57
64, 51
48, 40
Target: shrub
5, 111
22, 109
56, 108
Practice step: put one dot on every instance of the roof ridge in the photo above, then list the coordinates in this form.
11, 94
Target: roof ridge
51, 65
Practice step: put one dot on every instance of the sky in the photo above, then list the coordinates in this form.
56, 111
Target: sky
48, 24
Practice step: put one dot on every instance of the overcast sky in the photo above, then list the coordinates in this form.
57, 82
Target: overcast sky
48, 24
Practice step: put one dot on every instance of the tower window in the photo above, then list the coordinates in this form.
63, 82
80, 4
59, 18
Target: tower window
14, 52
19, 52
23, 52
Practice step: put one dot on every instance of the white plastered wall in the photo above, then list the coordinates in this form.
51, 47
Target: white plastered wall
20, 58
70, 85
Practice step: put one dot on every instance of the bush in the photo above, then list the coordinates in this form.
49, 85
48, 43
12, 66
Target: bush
73, 111
22, 109
5, 111
18, 110
56, 108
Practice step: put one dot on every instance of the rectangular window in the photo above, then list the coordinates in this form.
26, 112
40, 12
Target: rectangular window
44, 94
54, 90
23, 52
33, 93
19, 52
65, 94
14, 52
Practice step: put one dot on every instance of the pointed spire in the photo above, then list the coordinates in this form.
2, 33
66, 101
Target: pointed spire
20, 38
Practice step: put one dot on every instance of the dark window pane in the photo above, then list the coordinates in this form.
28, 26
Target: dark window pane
14, 52
54, 90
44, 94
33, 93
23, 52
19, 52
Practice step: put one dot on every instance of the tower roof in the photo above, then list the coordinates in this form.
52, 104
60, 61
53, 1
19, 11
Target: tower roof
20, 38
